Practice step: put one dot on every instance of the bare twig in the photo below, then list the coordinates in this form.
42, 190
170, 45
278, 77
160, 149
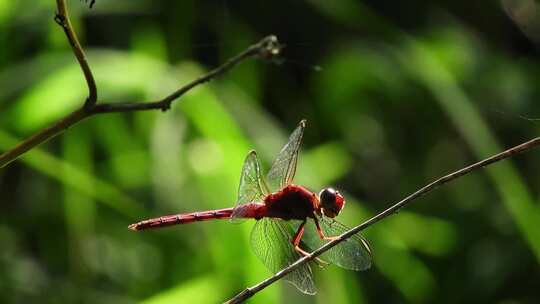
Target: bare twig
267, 48
249, 292
62, 18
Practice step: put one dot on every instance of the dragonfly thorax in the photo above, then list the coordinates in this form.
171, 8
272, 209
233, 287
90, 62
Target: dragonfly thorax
291, 202
331, 202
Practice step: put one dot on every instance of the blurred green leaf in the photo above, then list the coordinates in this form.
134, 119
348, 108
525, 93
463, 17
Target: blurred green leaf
198, 290
6, 9
127, 158
322, 165
422, 63
427, 234
29, 72
71, 175
348, 12
149, 41
118, 75
409, 274
79, 210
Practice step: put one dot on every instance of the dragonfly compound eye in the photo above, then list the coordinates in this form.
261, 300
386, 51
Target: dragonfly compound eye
331, 202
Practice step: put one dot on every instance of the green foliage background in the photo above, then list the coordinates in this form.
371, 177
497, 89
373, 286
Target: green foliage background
395, 95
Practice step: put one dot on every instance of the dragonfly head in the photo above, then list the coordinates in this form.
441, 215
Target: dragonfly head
331, 202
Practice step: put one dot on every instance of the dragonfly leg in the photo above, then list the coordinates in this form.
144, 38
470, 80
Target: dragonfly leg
298, 235
296, 243
321, 233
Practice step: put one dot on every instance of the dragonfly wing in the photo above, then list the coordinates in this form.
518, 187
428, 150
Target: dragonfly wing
271, 242
354, 253
284, 167
252, 187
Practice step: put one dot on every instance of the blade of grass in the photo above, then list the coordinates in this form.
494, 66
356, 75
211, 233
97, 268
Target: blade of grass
79, 210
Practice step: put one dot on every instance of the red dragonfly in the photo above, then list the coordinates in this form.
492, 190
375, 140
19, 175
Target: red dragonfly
283, 210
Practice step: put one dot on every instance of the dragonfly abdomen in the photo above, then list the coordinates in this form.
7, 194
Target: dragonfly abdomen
182, 218
250, 210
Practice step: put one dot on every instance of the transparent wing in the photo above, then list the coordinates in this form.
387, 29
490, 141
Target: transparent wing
271, 243
284, 167
252, 185
353, 253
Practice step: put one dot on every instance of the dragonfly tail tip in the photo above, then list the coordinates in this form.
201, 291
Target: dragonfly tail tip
133, 227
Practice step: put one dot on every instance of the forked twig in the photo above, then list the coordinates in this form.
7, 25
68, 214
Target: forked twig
267, 48
249, 292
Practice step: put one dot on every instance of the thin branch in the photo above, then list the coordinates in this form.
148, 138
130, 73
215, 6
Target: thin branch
267, 48
249, 292
62, 18
42, 136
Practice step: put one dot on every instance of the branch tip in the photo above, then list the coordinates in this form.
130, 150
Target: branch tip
270, 48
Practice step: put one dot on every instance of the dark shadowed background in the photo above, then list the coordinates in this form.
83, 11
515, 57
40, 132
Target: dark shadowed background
395, 94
